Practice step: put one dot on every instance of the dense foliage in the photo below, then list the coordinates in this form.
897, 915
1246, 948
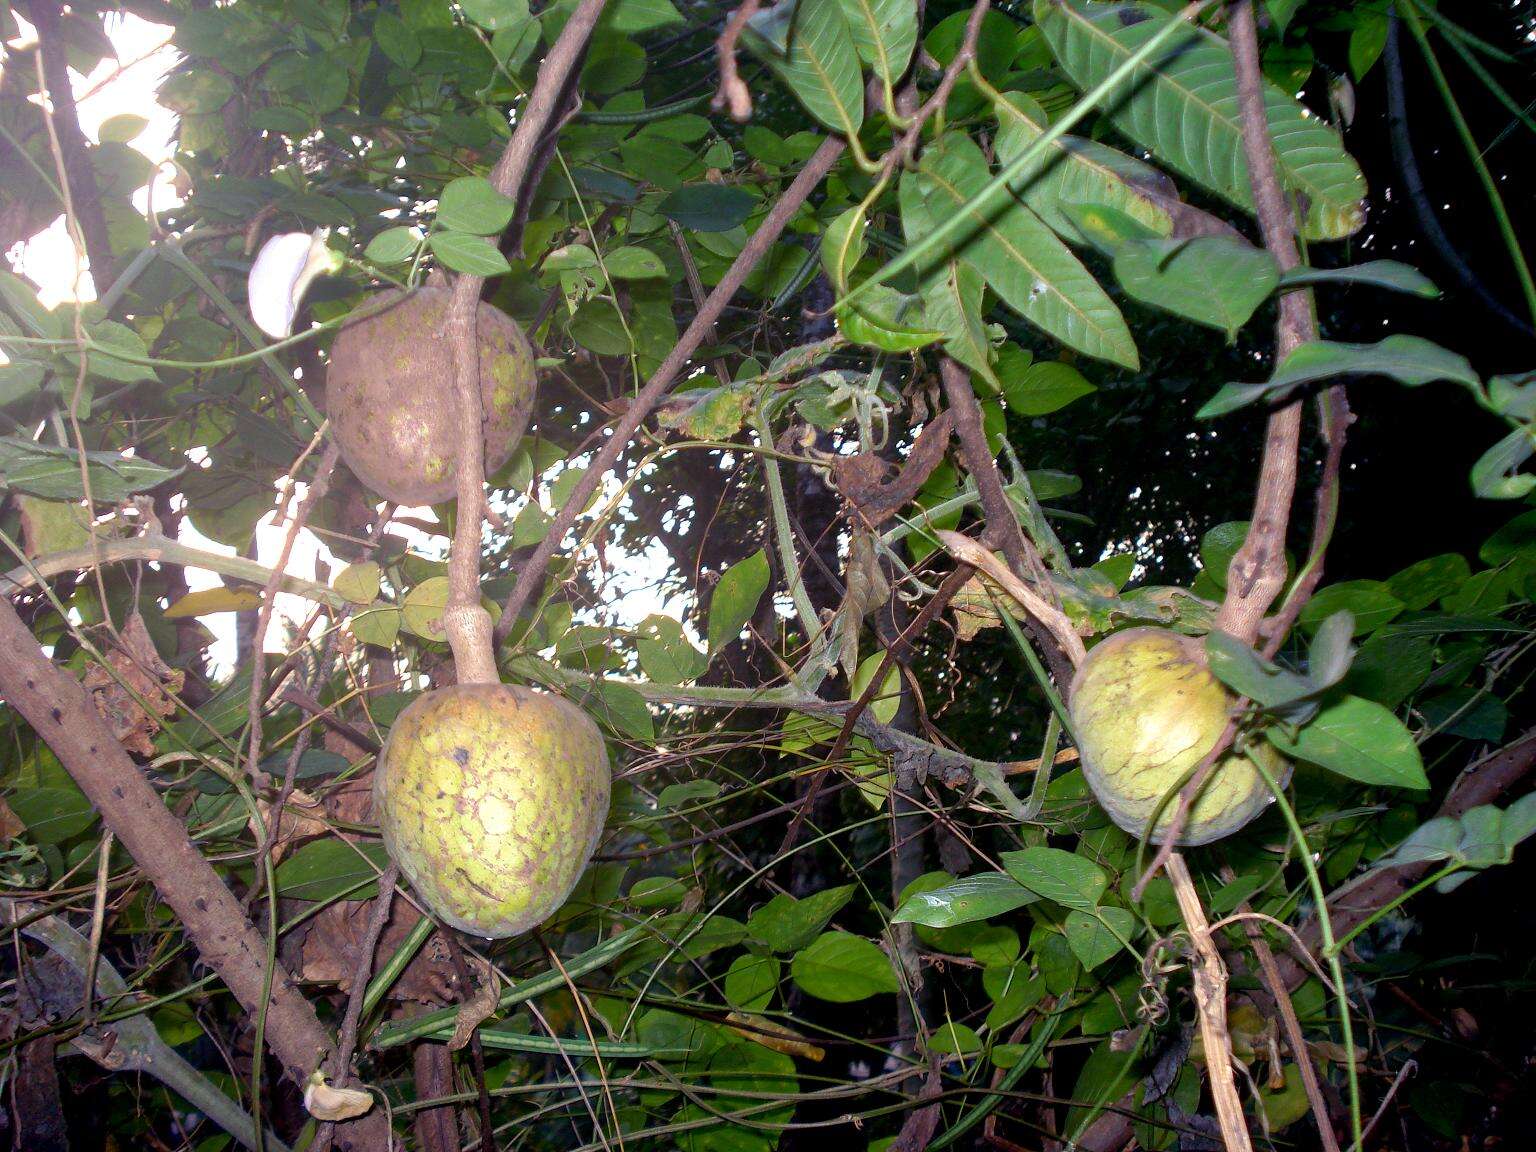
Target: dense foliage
853, 885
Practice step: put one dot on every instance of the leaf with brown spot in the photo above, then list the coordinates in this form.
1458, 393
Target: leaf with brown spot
136, 672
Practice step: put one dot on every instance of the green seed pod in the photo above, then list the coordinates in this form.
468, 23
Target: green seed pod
1147, 709
389, 394
491, 798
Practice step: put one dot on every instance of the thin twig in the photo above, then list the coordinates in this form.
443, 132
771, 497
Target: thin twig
476, 1049
656, 388
1258, 571
1209, 977
734, 93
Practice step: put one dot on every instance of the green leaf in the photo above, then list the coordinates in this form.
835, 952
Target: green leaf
323, 869
1513, 540
359, 582
751, 981
1497, 475
1182, 106
1217, 281
631, 263
953, 1039
1370, 601
493, 15
472, 204
396, 39
109, 336
1219, 546
1044, 387
962, 901
1063, 877
1028, 266
1075, 172
786, 923
1244, 671
120, 129
1359, 739
807, 45
52, 815
53, 472
843, 968
632, 17
1421, 584
736, 597
622, 709
392, 246
1409, 360
884, 32
708, 207
1098, 935
472, 255
1390, 274
666, 656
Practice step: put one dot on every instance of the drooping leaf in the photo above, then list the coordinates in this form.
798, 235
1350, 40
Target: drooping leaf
708, 207
1028, 266
1409, 360
807, 44
1390, 274
1217, 281
53, 472
1182, 106
1074, 171
884, 32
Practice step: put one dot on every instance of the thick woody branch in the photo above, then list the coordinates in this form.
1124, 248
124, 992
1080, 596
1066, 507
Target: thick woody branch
465, 621
657, 387
57, 708
1257, 572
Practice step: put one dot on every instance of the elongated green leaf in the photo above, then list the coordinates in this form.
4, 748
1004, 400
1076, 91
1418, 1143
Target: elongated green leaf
1028, 266
963, 901
884, 32
1182, 107
1390, 274
1409, 360
1359, 739
1217, 281
951, 291
1068, 879
741, 587
1075, 171
808, 46
53, 473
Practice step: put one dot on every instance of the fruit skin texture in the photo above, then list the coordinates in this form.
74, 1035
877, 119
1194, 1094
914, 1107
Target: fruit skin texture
491, 798
1147, 709
389, 394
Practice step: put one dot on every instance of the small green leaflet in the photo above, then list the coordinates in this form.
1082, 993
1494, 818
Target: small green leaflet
472, 255
1063, 877
843, 968
1217, 281
1409, 360
736, 597
965, 900
1359, 739
808, 46
472, 204
1096, 936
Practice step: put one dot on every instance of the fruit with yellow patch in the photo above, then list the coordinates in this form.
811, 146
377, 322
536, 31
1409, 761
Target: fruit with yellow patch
491, 798
1146, 709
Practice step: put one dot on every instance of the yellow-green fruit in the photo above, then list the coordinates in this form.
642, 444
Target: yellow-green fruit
491, 798
389, 394
1146, 710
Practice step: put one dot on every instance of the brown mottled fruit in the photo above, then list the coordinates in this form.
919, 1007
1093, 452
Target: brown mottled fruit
1146, 709
491, 798
389, 394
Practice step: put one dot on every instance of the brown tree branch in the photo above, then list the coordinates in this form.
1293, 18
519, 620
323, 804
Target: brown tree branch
58, 710
656, 388
1257, 572
465, 620
734, 93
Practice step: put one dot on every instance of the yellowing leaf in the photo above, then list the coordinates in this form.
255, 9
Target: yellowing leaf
211, 600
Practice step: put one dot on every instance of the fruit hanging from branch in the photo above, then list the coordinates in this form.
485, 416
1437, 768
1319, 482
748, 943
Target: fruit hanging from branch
1146, 710
389, 394
491, 798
